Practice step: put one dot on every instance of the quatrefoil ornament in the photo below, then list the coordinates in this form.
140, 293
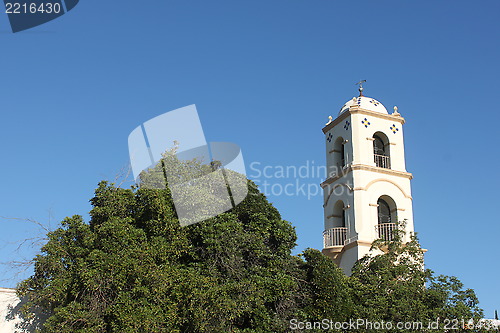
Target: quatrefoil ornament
394, 129
347, 124
365, 122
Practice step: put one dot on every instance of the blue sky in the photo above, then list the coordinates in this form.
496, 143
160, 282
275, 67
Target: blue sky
264, 75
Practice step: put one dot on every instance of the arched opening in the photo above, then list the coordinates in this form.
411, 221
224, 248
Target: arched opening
342, 155
384, 212
339, 217
387, 218
339, 158
337, 234
381, 151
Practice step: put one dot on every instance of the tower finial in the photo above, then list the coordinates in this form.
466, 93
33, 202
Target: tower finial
330, 118
360, 84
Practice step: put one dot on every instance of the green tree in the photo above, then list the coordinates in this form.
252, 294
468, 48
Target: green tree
133, 268
394, 286
327, 289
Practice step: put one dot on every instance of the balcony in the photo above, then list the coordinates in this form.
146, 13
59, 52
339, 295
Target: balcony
386, 231
334, 237
382, 161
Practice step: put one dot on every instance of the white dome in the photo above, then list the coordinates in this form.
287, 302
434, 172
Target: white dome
366, 103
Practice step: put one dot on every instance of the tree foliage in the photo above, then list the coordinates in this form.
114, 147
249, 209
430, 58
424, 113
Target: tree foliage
133, 268
394, 286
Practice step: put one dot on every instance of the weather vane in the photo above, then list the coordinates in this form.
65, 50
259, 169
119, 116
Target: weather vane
360, 84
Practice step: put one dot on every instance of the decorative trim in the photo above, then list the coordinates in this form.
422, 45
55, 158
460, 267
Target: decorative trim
334, 151
333, 189
333, 179
347, 125
394, 129
374, 205
357, 110
389, 181
336, 252
365, 122
337, 121
370, 139
382, 170
365, 167
356, 243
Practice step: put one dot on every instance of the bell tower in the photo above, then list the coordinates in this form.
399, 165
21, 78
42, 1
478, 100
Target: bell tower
367, 191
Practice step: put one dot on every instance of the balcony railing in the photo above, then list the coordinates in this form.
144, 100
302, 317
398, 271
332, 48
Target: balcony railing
386, 231
334, 237
382, 161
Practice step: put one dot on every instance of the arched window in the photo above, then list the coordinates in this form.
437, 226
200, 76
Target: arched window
384, 212
378, 146
339, 160
336, 234
339, 214
381, 151
342, 155
386, 218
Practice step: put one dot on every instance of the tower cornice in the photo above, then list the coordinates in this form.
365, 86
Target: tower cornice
357, 110
354, 167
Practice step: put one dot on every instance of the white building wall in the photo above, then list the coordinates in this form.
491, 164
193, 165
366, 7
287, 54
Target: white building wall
8, 302
369, 187
363, 150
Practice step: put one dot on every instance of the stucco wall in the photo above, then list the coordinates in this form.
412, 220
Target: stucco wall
10, 321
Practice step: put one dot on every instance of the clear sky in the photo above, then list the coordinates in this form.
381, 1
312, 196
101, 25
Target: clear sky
264, 75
